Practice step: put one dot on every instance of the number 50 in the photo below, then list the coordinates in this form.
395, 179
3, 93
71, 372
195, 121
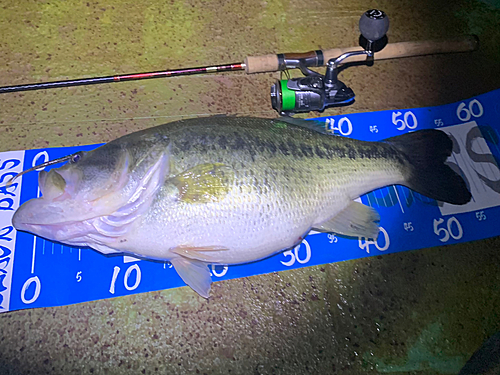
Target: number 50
404, 122
294, 255
448, 232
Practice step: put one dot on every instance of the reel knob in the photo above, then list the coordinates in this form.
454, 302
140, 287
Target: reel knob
374, 24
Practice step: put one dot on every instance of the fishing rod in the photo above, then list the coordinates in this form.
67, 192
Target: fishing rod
313, 92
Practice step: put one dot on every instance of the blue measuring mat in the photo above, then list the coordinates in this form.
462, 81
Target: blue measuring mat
35, 272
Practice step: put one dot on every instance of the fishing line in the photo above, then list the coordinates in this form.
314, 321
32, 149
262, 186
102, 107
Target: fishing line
117, 119
43, 165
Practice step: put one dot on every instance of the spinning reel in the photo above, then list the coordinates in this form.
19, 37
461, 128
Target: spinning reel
315, 92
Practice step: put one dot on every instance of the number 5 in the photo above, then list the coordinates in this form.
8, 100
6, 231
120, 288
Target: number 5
440, 231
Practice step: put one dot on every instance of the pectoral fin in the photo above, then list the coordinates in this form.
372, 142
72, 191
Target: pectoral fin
105, 249
207, 254
356, 220
204, 183
194, 273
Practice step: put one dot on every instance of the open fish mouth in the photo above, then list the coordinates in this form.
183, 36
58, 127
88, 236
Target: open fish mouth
40, 217
38, 211
57, 230
52, 184
49, 219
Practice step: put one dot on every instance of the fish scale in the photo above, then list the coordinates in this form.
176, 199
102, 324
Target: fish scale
231, 190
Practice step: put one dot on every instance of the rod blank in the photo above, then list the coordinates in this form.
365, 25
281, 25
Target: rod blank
121, 78
270, 63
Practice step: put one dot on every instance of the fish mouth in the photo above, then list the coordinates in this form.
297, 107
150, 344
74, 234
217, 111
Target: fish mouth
38, 211
36, 216
42, 230
52, 184
53, 208
49, 221
69, 233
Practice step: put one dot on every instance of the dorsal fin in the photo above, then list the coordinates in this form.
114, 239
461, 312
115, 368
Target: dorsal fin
318, 126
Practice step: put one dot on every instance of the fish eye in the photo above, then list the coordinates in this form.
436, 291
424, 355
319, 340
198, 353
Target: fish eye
76, 157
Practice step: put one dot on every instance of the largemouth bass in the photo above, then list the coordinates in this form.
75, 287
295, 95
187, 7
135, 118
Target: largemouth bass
225, 190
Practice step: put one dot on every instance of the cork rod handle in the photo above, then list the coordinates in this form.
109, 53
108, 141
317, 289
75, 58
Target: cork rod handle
467, 43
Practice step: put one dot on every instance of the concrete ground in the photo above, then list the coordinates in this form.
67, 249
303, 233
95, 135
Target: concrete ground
421, 312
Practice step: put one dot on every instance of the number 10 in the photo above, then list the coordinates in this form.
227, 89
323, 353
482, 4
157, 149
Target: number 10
117, 270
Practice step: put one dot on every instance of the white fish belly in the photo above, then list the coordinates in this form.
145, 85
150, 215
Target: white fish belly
247, 234
249, 226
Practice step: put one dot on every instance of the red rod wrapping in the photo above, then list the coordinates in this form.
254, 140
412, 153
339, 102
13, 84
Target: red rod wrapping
127, 77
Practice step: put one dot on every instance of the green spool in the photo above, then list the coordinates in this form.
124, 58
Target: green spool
287, 97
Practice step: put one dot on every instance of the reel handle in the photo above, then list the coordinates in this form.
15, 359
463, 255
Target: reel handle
466, 43
373, 25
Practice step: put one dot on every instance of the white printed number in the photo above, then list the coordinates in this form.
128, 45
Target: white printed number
365, 245
480, 215
439, 122
344, 126
45, 157
126, 282
332, 238
374, 128
38, 287
218, 273
408, 227
409, 120
453, 229
474, 109
295, 254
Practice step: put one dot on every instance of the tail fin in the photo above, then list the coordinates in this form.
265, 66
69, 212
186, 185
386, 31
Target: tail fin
427, 151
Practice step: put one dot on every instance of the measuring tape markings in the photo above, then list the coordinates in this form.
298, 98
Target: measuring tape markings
10, 164
50, 274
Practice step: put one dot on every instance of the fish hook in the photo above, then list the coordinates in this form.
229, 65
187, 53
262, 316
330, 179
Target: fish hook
73, 158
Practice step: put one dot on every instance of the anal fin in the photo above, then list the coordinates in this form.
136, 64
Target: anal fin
194, 273
356, 220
